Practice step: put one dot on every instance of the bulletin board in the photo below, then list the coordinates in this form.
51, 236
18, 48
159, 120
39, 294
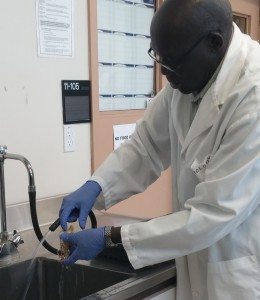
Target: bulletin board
126, 102
126, 72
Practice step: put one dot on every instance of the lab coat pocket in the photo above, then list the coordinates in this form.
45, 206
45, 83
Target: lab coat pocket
234, 279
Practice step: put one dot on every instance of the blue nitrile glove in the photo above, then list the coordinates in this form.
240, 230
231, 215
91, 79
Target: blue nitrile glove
85, 244
78, 204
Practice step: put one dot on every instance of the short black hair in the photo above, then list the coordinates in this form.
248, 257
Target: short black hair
192, 18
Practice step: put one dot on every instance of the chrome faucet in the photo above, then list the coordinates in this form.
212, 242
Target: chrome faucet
10, 242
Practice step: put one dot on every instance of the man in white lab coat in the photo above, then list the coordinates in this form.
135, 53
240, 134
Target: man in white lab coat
205, 124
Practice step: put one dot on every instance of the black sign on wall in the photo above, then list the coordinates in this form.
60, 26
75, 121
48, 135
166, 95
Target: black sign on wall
76, 101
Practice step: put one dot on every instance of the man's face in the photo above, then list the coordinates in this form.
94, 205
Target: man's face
187, 66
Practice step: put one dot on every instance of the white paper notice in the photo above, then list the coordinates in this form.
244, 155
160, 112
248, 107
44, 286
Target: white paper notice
54, 28
122, 133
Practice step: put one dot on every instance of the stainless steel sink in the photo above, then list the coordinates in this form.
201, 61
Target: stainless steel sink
48, 279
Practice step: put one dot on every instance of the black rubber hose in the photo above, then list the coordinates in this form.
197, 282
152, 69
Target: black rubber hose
53, 227
93, 220
36, 227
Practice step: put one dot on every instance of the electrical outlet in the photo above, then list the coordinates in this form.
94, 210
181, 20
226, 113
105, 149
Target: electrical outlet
69, 138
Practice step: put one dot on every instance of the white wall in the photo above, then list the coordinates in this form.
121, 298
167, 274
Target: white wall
31, 105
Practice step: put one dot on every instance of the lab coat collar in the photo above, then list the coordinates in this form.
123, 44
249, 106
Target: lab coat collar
204, 119
218, 93
232, 66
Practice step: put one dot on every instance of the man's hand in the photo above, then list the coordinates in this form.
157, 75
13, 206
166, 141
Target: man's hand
78, 204
86, 244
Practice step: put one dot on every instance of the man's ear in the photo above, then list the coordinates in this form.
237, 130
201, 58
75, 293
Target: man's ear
215, 41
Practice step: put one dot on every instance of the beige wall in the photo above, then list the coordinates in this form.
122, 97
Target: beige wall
31, 106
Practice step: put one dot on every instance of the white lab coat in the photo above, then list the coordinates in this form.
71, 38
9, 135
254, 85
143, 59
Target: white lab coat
215, 233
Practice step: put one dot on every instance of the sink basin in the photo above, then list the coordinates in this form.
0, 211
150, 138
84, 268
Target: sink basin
48, 279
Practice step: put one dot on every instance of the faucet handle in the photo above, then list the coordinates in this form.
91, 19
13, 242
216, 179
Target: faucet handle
16, 239
3, 149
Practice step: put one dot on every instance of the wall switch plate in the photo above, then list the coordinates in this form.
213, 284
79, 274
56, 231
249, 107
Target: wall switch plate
69, 138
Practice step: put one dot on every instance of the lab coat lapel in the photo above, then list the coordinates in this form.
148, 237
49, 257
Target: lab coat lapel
181, 105
204, 119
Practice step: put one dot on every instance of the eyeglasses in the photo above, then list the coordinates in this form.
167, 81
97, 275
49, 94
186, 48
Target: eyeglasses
159, 60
